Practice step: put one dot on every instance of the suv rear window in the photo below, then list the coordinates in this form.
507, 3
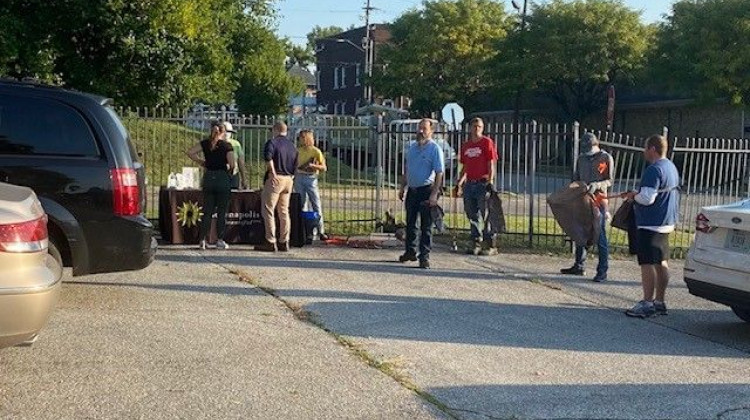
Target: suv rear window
37, 126
123, 132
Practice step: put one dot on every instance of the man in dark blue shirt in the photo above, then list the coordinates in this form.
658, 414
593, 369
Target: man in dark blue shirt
656, 211
280, 155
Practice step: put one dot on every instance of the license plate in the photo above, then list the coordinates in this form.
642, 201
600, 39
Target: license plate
739, 241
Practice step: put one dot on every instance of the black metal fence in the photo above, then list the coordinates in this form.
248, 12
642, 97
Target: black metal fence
365, 164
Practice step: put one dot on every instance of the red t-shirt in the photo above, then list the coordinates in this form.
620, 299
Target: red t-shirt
476, 156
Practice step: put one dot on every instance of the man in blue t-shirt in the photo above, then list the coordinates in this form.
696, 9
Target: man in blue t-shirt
421, 182
656, 211
280, 155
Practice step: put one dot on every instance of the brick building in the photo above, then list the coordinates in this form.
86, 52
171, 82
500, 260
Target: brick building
341, 61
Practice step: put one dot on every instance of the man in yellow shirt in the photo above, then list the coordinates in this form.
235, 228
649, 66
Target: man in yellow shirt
311, 163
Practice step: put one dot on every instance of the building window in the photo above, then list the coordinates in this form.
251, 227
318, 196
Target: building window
358, 75
342, 79
343, 108
357, 105
336, 77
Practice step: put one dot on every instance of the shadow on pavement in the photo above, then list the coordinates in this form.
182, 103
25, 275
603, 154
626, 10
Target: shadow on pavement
442, 320
385, 267
645, 400
571, 327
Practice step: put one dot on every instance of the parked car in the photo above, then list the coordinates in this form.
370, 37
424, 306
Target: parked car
29, 275
718, 264
404, 133
73, 151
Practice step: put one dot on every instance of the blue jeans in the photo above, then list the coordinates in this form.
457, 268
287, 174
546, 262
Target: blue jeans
307, 187
475, 206
415, 198
602, 245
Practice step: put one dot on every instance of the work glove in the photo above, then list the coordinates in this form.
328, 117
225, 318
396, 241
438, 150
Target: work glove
592, 188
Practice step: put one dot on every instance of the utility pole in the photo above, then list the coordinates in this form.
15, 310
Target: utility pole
519, 91
369, 53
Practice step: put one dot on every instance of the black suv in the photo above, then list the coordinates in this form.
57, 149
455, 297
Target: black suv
73, 151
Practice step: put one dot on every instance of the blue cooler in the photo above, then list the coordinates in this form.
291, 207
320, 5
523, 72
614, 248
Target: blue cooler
312, 225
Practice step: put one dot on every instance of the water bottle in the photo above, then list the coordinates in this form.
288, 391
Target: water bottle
172, 180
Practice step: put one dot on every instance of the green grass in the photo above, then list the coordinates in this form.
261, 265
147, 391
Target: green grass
163, 145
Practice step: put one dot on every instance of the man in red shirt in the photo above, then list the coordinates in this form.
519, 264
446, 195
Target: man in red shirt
477, 178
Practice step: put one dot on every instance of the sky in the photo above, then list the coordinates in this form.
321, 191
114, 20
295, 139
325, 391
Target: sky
298, 17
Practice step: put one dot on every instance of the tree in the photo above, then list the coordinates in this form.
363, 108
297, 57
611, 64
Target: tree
264, 86
441, 54
318, 32
571, 52
144, 52
703, 52
298, 55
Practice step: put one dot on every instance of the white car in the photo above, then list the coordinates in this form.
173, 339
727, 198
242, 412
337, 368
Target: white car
718, 264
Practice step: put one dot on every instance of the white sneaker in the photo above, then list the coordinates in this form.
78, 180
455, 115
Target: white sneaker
202, 245
220, 244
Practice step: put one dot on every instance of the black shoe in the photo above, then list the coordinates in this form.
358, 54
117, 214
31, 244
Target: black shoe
283, 247
599, 278
407, 257
324, 237
475, 248
576, 271
266, 247
424, 264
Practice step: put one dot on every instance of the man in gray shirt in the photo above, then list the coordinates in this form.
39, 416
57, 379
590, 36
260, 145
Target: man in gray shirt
595, 168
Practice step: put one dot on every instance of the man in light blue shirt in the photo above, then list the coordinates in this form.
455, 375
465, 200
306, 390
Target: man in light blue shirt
421, 183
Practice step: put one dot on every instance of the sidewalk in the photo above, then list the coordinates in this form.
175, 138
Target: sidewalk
506, 337
342, 333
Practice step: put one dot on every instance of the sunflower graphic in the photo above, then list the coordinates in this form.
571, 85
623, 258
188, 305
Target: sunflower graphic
189, 213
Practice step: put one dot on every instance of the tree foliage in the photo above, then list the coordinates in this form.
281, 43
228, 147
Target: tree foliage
298, 55
441, 53
264, 85
318, 32
571, 51
703, 50
141, 52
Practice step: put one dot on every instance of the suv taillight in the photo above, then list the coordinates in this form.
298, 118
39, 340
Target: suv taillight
125, 192
702, 224
24, 237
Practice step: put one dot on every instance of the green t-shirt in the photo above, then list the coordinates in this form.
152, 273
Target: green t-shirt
308, 154
238, 153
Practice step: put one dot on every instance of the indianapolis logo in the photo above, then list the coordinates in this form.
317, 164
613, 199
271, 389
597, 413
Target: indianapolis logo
189, 213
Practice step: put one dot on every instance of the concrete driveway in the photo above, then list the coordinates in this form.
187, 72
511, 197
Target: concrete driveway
330, 332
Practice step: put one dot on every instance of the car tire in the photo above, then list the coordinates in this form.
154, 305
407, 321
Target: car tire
55, 252
742, 312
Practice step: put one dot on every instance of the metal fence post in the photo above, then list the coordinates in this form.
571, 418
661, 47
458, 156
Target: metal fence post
576, 145
378, 138
531, 138
575, 150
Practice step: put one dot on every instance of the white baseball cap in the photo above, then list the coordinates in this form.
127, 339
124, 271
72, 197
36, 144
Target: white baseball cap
228, 127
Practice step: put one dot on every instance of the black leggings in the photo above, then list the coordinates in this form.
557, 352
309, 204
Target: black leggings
217, 190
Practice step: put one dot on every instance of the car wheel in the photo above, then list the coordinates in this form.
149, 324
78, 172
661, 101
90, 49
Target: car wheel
743, 313
52, 249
